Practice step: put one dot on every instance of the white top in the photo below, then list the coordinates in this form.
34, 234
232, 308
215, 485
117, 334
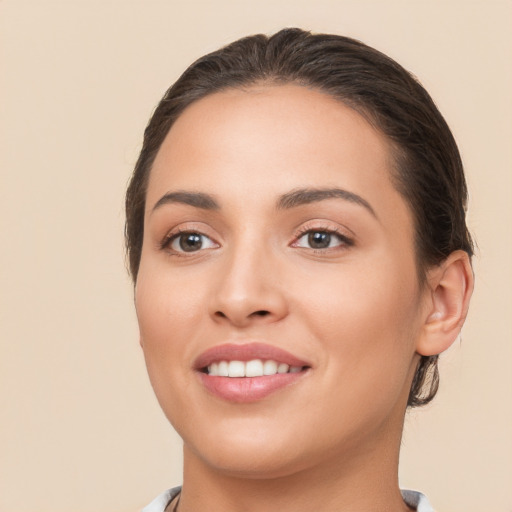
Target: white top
412, 498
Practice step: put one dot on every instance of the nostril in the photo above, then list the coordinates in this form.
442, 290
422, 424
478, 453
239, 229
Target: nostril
239, 317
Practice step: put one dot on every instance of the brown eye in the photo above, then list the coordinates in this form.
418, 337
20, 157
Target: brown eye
319, 239
191, 242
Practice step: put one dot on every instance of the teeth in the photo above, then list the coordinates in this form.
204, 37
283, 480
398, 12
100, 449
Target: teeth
254, 368
236, 369
223, 370
269, 368
283, 368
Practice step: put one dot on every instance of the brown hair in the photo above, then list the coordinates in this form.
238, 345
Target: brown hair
428, 167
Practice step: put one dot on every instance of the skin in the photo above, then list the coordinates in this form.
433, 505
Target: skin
354, 311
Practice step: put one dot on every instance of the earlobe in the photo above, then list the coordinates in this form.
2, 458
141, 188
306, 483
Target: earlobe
451, 286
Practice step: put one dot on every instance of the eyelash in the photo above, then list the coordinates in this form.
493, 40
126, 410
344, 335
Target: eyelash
343, 238
166, 243
345, 241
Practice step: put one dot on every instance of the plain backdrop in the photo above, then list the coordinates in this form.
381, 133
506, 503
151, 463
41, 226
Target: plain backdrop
80, 429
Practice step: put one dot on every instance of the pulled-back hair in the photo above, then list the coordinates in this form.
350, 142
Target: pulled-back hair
428, 170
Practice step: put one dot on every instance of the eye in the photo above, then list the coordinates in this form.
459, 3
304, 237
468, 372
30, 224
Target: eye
189, 241
321, 239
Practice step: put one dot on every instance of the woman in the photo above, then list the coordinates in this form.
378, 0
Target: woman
296, 235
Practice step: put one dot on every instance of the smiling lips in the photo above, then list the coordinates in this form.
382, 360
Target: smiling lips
247, 373
253, 368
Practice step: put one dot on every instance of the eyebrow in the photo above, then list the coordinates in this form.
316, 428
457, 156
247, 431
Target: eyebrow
195, 199
303, 196
287, 201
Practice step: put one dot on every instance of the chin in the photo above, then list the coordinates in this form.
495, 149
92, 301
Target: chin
256, 449
253, 462
249, 447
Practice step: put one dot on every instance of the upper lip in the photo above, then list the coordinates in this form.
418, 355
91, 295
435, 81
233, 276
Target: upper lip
246, 352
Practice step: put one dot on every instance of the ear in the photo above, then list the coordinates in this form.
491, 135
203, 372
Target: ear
450, 286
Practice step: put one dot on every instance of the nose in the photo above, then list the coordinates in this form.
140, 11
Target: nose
249, 290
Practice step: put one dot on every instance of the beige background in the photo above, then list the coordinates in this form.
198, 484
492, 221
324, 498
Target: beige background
80, 429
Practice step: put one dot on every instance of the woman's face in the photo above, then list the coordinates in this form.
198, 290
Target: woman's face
273, 234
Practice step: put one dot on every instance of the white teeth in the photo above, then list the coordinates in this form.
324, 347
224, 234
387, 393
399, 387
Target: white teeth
283, 368
253, 368
269, 368
223, 369
236, 369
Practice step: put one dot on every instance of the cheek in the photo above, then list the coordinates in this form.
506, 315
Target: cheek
165, 315
367, 319
167, 312
165, 305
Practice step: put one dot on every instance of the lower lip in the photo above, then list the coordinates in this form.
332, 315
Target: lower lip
248, 389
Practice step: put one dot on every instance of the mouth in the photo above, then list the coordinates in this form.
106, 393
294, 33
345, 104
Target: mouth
253, 368
250, 372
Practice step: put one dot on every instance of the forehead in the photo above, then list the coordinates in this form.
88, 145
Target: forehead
268, 140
